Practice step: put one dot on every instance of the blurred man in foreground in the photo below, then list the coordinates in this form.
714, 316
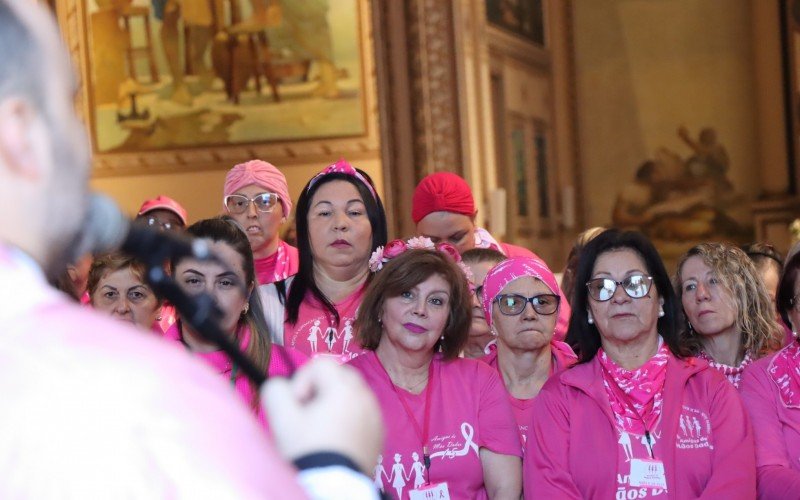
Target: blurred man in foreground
86, 410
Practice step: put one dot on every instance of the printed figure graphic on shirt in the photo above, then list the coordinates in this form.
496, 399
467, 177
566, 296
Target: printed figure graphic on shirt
313, 335
418, 470
348, 334
625, 441
380, 473
331, 336
398, 477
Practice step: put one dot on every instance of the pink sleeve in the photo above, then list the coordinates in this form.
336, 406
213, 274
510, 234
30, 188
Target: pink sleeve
498, 429
545, 468
776, 477
733, 471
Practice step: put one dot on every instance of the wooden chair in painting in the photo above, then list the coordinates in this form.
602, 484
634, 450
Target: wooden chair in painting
240, 52
130, 13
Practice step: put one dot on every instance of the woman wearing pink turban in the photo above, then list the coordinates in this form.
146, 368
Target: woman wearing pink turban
257, 197
526, 355
444, 210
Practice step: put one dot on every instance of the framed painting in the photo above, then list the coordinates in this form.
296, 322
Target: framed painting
179, 85
524, 18
790, 17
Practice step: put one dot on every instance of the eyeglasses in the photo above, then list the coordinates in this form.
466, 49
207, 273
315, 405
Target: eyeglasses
602, 289
478, 291
513, 304
163, 225
238, 203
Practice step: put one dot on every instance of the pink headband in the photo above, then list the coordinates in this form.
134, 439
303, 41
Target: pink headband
342, 167
263, 175
509, 270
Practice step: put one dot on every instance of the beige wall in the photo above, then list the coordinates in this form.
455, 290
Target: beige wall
643, 68
201, 192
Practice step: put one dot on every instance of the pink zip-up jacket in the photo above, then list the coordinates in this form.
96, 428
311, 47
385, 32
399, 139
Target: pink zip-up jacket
572, 449
777, 432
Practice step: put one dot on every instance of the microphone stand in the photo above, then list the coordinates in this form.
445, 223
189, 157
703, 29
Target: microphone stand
199, 311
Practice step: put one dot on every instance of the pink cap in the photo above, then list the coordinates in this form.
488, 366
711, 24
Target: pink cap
509, 270
162, 202
262, 174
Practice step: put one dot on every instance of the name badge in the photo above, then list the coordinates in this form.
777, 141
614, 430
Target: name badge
648, 474
436, 491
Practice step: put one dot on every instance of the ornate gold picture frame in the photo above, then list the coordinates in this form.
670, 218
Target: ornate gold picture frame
278, 108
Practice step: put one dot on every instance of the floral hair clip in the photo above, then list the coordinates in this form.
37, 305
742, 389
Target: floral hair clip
342, 167
394, 248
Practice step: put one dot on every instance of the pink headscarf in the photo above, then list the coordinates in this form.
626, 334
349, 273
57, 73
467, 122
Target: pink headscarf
509, 270
262, 174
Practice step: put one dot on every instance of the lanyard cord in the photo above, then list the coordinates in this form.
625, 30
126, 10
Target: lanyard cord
422, 433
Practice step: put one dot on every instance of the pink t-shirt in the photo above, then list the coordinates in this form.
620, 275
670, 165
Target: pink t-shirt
563, 358
282, 264
468, 411
770, 390
282, 362
316, 332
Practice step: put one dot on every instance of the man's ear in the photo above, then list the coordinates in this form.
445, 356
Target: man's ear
18, 153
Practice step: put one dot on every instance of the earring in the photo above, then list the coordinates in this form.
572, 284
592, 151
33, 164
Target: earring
661, 311
591, 318
246, 308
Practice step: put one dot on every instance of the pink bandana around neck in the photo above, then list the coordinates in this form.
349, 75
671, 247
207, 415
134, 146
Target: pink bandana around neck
512, 269
485, 240
643, 389
732, 373
784, 369
278, 266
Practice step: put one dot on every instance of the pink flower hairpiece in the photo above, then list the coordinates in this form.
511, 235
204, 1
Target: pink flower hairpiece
342, 167
395, 248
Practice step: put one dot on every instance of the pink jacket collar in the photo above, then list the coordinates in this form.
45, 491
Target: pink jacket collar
588, 377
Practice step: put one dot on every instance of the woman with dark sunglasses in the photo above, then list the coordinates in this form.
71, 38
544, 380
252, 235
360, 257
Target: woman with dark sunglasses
635, 417
520, 302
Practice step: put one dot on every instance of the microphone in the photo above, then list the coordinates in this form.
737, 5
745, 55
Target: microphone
107, 229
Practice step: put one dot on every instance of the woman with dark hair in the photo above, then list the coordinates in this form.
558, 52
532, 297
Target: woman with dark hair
653, 420
770, 390
730, 320
340, 222
449, 427
231, 283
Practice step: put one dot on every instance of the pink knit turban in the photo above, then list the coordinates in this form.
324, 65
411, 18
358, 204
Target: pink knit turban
261, 174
